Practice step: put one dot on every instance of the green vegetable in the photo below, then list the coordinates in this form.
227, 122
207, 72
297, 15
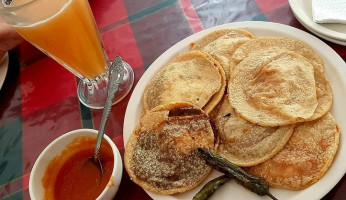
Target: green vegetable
209, 188
249, 181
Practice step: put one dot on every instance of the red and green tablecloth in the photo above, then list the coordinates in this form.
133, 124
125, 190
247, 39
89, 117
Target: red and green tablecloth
38, 100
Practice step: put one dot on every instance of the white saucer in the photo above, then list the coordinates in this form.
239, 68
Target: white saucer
323, 36
3, 69
332, 32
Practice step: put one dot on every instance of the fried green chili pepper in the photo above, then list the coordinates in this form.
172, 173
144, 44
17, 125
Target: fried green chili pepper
209, 188
249, 181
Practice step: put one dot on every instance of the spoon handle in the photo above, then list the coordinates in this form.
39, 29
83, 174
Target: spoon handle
116, 74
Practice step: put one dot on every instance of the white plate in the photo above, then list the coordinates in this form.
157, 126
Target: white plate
303, 12
323, 36
335, 70
3, 69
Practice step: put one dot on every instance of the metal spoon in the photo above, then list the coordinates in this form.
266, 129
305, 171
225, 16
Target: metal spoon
116, 73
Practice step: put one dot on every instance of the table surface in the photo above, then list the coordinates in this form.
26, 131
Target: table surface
38, 100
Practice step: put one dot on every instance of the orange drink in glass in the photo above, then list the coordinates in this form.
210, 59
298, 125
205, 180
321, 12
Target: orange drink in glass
66, 31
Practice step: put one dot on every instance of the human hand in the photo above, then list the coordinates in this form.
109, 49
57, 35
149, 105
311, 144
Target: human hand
9, 38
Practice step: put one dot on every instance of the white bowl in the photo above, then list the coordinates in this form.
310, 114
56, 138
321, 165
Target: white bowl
36, 189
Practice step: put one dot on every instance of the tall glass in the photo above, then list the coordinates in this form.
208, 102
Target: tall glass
66, 31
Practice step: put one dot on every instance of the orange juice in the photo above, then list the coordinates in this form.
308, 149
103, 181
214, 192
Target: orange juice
69, 35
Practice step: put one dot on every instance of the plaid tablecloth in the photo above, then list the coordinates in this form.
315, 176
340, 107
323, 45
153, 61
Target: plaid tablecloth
38, 100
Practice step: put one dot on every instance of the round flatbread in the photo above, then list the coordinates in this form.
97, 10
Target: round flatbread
324, 95
305, 158
194, 77
244, 143
278, 43
161, 155
274, 88
221, 44
215, 99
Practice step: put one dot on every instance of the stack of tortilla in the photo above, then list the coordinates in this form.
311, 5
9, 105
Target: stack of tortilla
267, 97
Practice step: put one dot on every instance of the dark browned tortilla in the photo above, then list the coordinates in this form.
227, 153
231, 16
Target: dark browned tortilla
161, 155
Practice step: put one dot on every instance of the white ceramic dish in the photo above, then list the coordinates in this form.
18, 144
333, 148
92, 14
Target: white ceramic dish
335, 70
331, 32
323, 36
58, 145
3, 69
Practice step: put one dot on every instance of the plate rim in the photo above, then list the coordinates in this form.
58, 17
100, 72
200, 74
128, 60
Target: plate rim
340, 42
315, 27
135, 101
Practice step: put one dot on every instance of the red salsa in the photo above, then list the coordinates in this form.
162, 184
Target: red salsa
71, 176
